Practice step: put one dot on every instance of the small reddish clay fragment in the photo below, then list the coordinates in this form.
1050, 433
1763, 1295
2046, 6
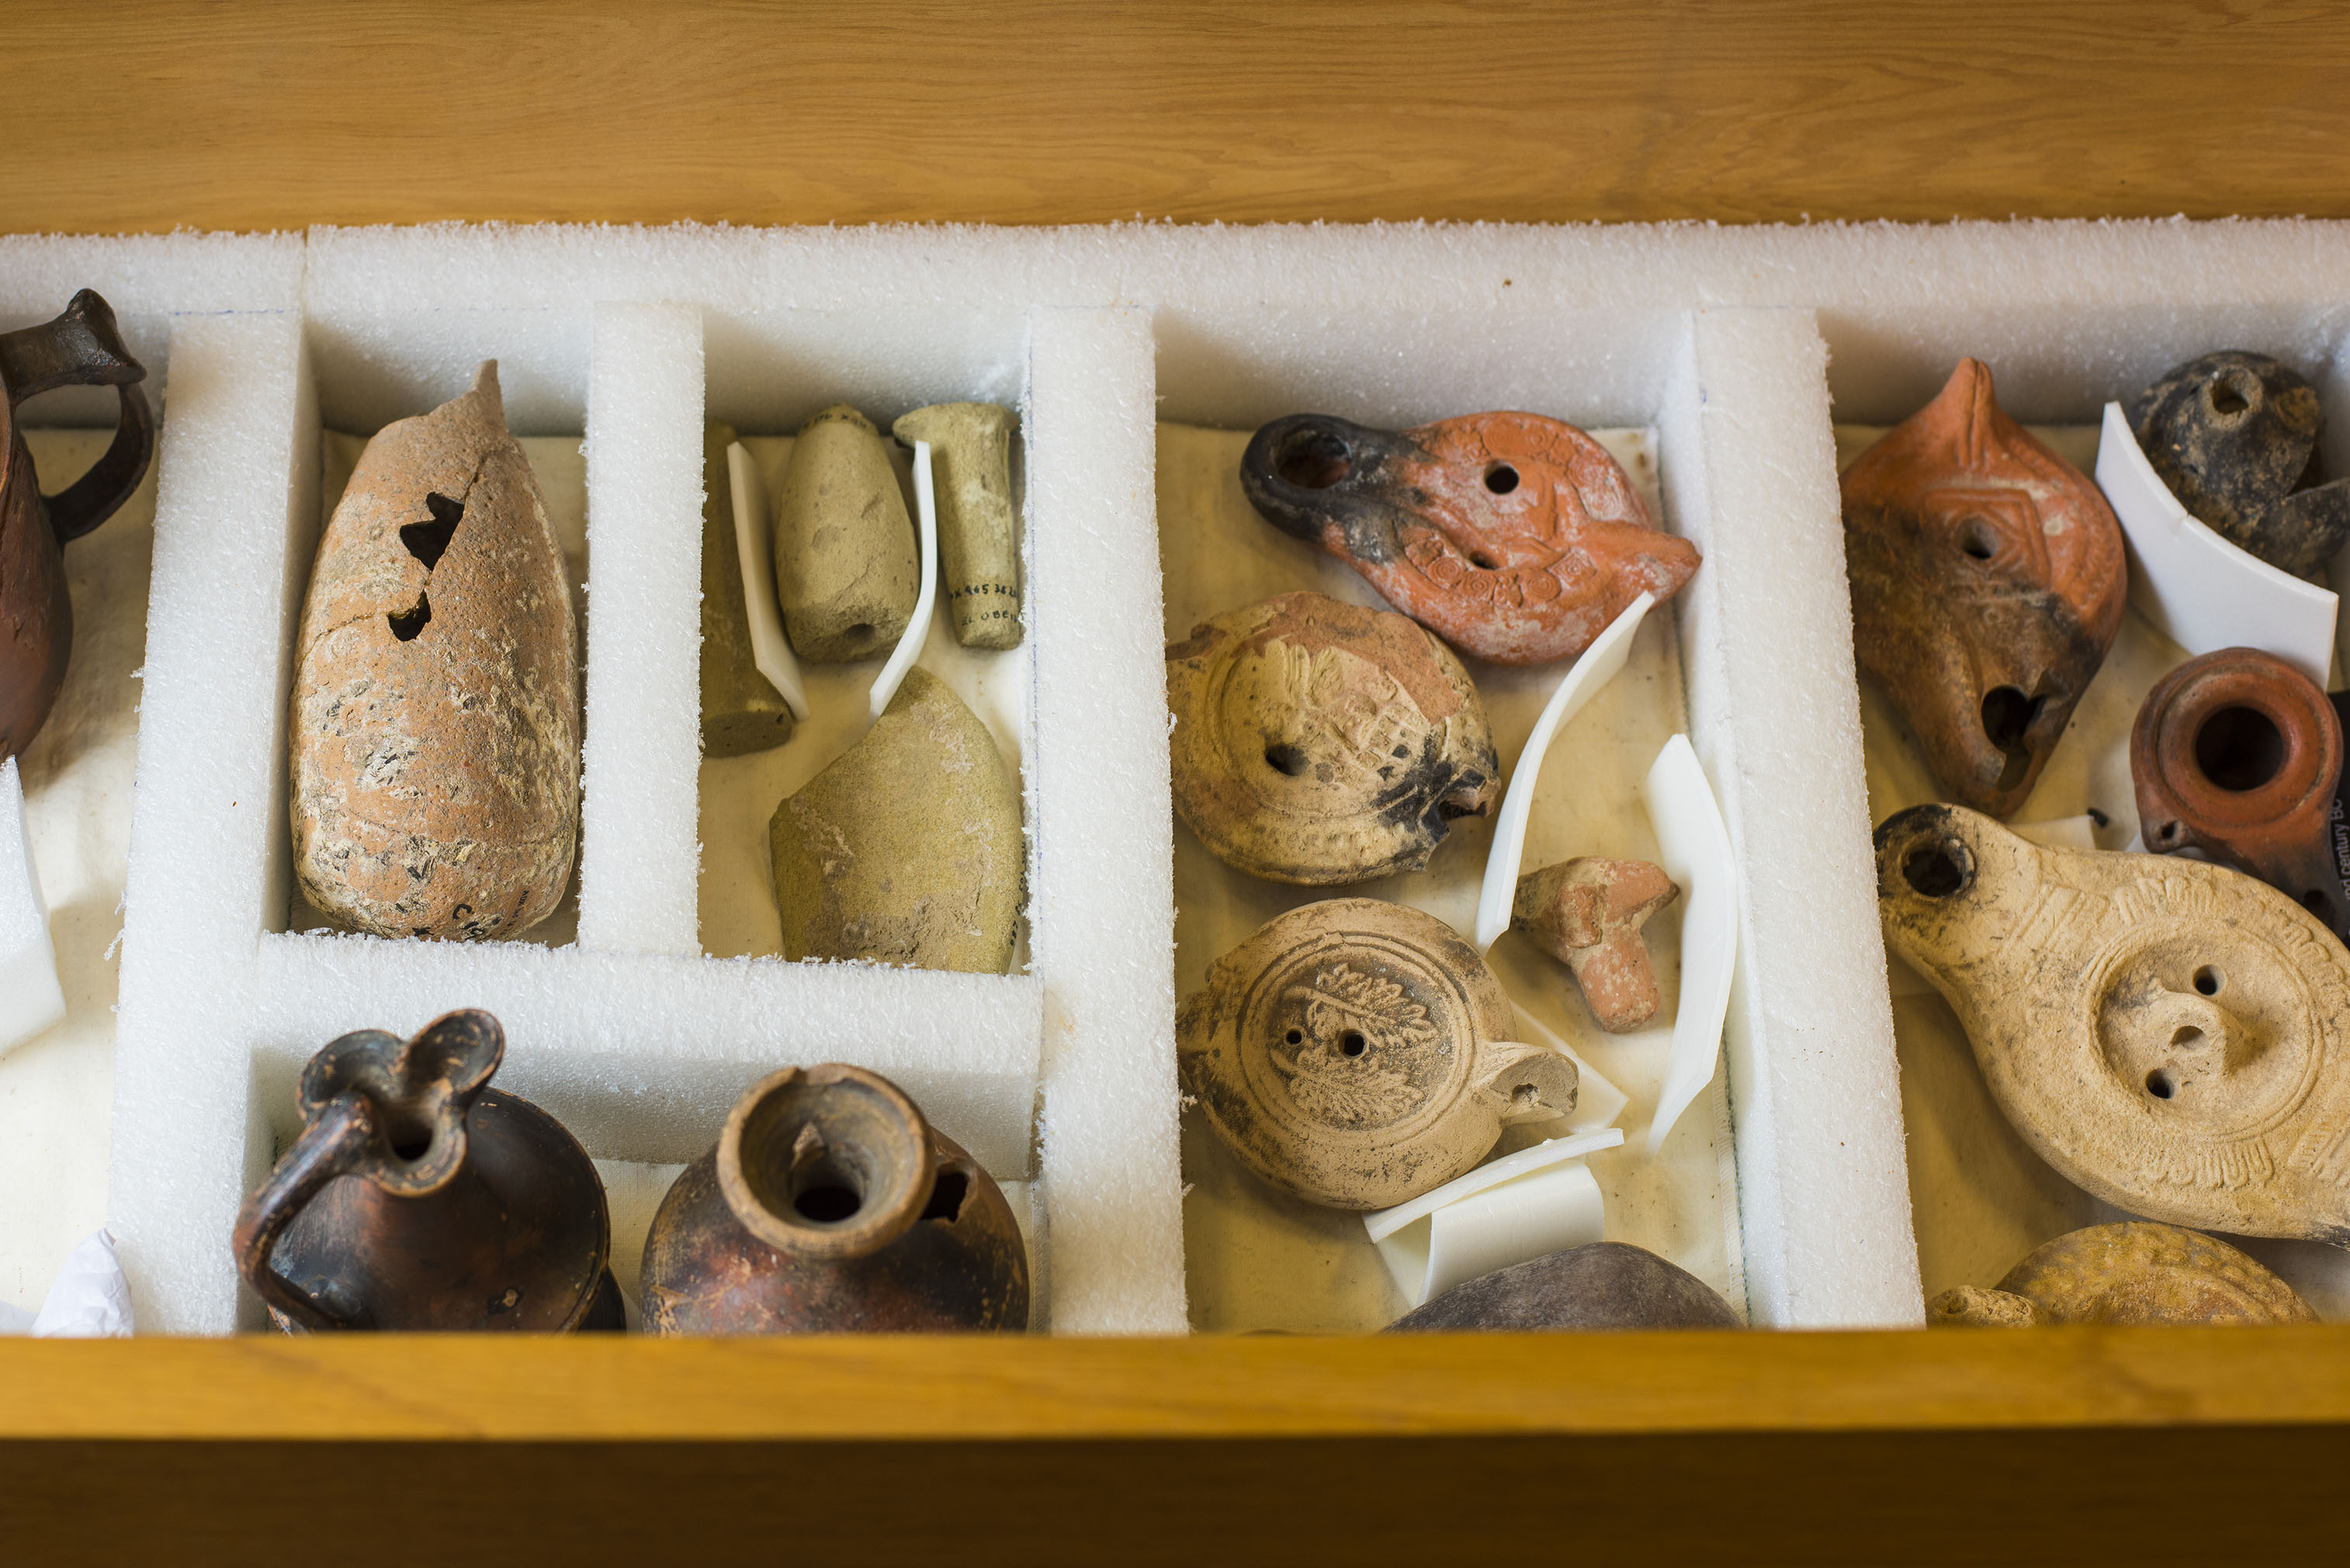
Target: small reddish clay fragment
1587, 913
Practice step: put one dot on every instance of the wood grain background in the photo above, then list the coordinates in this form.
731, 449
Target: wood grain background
280, 113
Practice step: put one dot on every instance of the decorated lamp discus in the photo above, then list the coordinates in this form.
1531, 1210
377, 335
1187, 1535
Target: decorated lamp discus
2133, 1272
1987, 584
830, 1205
1317, 741
2235, 755
2166, 1033
1357, 1053
2234, 435
1515, 537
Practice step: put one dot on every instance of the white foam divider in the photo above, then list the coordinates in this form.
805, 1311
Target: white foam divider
31, 1000
1694, 849
1102, 896
642, 751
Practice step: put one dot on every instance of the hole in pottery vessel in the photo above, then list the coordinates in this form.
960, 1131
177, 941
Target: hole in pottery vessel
2232, 394
2167, 832
2240, 749
1484, 560
863, 629
1284, 758
2160, 1085
2186, 1035
1313, 460
1501, 479
1296, 1037
406, 624
1352, 1044
825, 1205
947, 1194
1524, 1097
414, 1150
2007, 714
2208, 980
1976, 538
1935, 871
428, 542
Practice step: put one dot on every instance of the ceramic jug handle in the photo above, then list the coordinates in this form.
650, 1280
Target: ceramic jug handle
83, 348
328, 1147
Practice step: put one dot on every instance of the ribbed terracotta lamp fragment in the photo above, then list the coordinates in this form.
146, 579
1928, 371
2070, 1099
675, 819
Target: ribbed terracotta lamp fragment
2167, 1033
1987, 584
1357, 1053
2235, 755
2131, 1273
1317, 741
1515, 537
2235, 437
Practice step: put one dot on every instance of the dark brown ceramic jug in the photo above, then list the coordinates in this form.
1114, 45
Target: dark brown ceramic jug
830, 1205
82, 347
418, 1198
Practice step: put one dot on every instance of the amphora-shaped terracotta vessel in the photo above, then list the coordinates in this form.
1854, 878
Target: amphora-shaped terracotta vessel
82, 347
2235, 755
1515, 537
419, 1198
1987, 584
1317, 741
2167, 1033
830, 1205
1357, 1053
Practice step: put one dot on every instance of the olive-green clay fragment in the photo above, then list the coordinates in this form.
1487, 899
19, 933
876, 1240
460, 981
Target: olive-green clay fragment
742, 711
1603, 1285
979, 540
906, 849
847, 569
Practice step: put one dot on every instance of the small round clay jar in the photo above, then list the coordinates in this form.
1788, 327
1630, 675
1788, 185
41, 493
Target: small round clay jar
1356, 1053
1317, 741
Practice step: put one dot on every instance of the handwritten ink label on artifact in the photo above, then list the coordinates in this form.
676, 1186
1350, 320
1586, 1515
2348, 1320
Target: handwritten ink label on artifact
435, 730
979, 543
1515, 537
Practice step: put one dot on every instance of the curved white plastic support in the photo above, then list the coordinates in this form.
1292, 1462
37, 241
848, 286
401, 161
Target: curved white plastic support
31, 1001
1518, 1208
1598, 1101
754, 547
1593, 668
2199, 590
909, 646
1694, 846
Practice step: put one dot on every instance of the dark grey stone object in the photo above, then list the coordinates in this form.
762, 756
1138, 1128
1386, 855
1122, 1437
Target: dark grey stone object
2234, 435
1606, 1284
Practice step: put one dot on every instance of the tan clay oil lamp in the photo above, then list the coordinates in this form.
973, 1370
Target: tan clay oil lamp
1357, 1053
1319, 742
1987, 584
830, 1205
2167, 1033
435, 730
2132, 1273
82, 347
2235, 755
419, 1198
1515, 537
2235, 437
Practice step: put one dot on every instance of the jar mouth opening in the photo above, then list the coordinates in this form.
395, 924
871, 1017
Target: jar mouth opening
830, 1161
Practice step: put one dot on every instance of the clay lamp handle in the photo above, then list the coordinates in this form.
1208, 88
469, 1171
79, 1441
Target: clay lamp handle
334, 1144
83, 348
2236, 754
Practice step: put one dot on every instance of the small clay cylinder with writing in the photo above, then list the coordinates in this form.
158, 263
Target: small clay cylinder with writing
979, 540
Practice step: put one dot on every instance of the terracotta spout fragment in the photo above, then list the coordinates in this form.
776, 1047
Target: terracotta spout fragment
2167, 1033
2132, 1273
2235, 755
1987, 584
1588, 914
2234, 435
1319, 742
1515, 537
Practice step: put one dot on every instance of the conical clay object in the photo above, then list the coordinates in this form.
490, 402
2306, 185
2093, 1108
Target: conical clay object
2132, 1273
906, 849
1516, 538
1587, 913
435, 731
742, 711
2235, 437
2167, 1033
1319, 742
979, 540
1987, 584
848, 570
1356, 1052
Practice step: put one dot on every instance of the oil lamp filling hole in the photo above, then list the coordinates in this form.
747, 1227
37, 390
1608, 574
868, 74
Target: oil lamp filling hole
2208, 980
1352, 1044
1284, 758
2240, 749
2160, 1085
1976, 539
1501, 479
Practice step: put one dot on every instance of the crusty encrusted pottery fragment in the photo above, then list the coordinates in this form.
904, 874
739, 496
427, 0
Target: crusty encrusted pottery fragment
847, 569
435, 766
1515, 537
1356, 1052
1317, 741
2132, 1273
1987, 584
2235, 437
742, 711
1602, 1285
2167, 1033
1587, 913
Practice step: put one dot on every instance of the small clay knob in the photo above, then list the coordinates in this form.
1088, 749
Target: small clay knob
2236, 754
2235, 437
1587, 913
